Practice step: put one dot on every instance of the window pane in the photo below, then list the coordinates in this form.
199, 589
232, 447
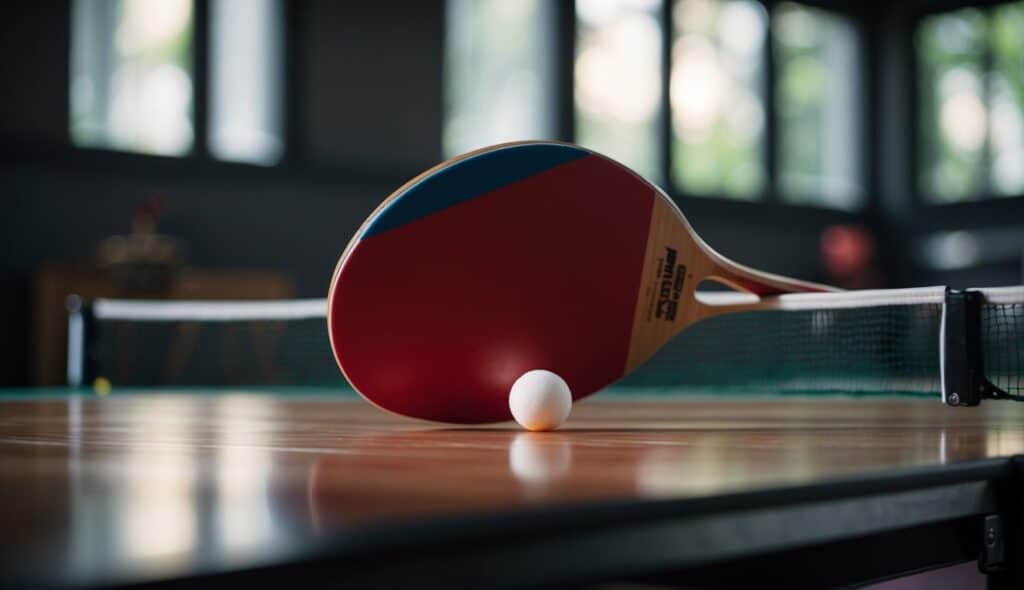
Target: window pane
246, 44
1007, 120
618, 80
818, 92
716, 92
498, 76
131, 75
953, 118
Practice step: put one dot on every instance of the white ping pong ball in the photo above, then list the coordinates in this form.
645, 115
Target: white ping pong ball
540, 400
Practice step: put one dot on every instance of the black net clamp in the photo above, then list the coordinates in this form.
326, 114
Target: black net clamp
960, 350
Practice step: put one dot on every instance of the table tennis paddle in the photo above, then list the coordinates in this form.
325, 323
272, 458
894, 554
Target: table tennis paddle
521, 256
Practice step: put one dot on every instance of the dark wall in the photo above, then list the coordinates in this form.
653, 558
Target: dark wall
34, 47
372, 76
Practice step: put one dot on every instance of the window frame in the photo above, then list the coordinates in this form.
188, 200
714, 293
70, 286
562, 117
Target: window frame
902, 215
877, 204
771, 198
199, 157
918, 199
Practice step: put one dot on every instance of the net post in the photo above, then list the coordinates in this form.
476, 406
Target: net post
960, 348
960, 351
81, 331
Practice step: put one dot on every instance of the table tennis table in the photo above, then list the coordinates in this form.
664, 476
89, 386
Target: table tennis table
278, 487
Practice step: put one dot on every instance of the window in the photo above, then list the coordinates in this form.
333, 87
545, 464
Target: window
498, 73
752, 104
717, 98
971, 104
133, 78
818, 107
246, 78
131, 75
618, 81
719, 77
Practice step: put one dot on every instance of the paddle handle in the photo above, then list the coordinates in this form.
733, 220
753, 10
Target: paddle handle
748, 280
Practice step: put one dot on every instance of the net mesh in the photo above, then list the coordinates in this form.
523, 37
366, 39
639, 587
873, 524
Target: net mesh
248, 352
1002, 333
889, 349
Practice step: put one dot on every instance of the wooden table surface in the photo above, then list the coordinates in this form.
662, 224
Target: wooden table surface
137, 487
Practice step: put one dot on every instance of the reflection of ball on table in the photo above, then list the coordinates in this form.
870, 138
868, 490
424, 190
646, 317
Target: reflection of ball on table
536, 458
540, 400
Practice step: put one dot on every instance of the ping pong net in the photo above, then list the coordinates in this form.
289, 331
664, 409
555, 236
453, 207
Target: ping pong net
965, 345
157, 343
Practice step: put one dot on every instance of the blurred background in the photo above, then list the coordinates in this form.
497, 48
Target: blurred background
228, 149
